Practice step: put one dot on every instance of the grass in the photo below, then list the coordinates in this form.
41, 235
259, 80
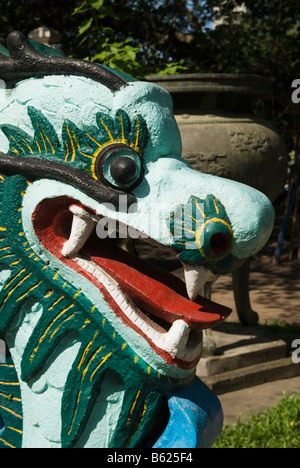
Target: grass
278, 427
280, 326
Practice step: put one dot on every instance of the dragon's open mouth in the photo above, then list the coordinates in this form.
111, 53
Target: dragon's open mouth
153, 303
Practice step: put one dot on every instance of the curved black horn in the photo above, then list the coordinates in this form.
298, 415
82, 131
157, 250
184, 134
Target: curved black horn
25, 61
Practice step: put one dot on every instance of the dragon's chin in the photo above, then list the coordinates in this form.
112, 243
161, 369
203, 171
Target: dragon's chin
155, 304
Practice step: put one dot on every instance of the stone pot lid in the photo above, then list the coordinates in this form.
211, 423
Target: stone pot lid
241, 84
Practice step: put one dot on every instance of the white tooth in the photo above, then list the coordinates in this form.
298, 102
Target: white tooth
195, 278
175, 341
82, 213
82, 226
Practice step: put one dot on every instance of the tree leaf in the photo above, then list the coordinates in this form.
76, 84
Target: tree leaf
81, 9
97, 4
85, 26
131, 54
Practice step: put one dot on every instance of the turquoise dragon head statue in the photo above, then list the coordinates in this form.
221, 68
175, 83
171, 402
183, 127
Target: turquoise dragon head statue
102, 346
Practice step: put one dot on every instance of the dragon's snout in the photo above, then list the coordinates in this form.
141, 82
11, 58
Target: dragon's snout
203, 238
214, 224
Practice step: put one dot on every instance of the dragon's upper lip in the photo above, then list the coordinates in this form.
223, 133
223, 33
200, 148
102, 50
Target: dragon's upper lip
148, 295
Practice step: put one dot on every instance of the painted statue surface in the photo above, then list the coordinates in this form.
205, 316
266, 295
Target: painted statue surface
103, 347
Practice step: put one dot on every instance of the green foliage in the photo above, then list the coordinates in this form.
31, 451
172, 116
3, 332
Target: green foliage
119, 55
172, 69
150, 34
100, 41
137, 37
145, 37
278, 427
257, 39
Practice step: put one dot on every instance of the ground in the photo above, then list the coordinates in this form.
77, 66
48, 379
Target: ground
274, 290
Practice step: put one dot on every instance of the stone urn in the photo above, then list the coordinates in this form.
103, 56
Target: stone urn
222, 136
220, 133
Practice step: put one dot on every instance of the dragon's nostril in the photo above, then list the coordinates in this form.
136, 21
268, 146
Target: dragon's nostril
219, 243
202, 231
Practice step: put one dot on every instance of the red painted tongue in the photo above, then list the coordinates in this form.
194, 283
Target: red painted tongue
153, 291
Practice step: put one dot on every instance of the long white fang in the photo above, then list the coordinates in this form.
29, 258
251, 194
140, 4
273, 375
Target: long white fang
175, 341
82, 226
195, 278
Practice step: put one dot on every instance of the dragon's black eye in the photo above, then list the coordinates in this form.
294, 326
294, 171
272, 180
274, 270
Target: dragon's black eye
119, 165
123, 170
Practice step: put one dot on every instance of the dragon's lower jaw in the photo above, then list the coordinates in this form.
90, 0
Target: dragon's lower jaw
154, 304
